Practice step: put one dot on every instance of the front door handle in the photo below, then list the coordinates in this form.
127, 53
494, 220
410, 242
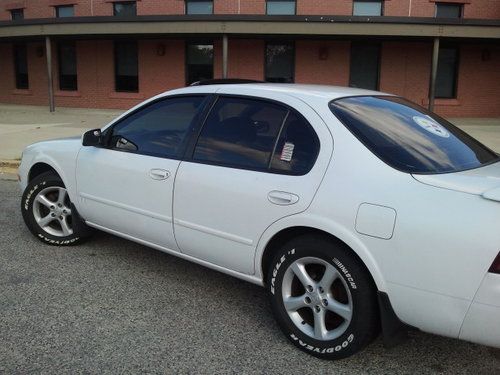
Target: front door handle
282, 198
159, 174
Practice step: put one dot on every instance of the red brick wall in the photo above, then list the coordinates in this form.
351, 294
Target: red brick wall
405, 71
419, 8
309, 68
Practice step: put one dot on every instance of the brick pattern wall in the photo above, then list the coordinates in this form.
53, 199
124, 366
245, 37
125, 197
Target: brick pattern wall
487, 9
404, 70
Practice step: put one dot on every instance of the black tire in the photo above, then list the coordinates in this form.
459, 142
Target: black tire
78, 228
363, 325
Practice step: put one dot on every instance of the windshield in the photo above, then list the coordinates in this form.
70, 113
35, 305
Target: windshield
408, 137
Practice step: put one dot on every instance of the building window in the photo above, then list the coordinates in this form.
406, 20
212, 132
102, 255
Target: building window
125, 8
66, 57
447, 72
449, 10
367, 8
199, 7
280, 7
65, 11
126, 67
199, 62
17, 14
21, 66
365, 59
280, 62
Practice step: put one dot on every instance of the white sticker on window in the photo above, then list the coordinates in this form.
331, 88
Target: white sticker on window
431, 126
287, 152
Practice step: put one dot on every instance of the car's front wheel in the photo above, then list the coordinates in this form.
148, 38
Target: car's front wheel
322, 297
48, 212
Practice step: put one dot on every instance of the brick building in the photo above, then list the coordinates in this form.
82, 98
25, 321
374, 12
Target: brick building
113, 54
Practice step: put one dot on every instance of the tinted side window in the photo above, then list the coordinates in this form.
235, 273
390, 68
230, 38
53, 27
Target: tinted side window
160, 129
297, 147
240, 133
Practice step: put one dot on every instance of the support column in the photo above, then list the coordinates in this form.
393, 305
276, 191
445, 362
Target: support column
224, 55
432, 88
48, 54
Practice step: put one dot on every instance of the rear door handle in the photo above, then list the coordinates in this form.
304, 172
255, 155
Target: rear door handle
159, 174
282, 198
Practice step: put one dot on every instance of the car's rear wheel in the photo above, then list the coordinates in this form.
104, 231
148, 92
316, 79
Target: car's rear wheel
48, 212
323, 297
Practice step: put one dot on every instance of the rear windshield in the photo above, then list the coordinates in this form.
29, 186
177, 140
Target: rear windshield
408, 137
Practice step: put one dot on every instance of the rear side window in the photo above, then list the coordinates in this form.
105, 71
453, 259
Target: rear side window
297, 147
159, 129
408, 137
256, 134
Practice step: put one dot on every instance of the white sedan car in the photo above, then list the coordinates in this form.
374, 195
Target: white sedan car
359, 211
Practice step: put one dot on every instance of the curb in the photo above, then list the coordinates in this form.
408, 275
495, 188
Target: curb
9, 164
8, 169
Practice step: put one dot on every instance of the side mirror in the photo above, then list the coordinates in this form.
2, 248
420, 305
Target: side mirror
92, 138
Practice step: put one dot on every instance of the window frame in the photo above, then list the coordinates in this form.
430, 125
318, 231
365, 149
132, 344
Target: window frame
108, 132
186, 57
18, 11
115, 66
294, 62
59, 7
59, 60
124, 2
16, 68
382, 7
283, 1
198, 1
457, 73
446, 4
379, 61
189, 154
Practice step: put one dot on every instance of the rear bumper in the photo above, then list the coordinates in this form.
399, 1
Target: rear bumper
482, 322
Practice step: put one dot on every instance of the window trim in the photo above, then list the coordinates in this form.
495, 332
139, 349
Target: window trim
108, 131
16, 70
58, 7
115, 65
12, 11
197, 42
123, 2
460, 5
382, 7
198, 1
59, 59
276, 1
293, 44
189, 154
457, 73
379, 63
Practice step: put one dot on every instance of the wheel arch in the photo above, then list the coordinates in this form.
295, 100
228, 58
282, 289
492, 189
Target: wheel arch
273, 239
39, 168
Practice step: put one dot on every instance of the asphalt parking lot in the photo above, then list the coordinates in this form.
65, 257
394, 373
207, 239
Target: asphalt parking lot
113, 306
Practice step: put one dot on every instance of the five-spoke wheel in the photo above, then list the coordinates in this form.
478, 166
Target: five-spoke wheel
316, 298
322, 296
52, 211
48, 212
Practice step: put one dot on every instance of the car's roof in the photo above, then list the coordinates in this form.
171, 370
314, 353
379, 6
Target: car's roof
302, 91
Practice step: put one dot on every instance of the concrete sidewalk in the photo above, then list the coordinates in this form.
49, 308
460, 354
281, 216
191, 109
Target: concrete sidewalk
21, 126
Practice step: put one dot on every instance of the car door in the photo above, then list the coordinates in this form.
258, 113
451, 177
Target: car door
255, 162
126, 185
